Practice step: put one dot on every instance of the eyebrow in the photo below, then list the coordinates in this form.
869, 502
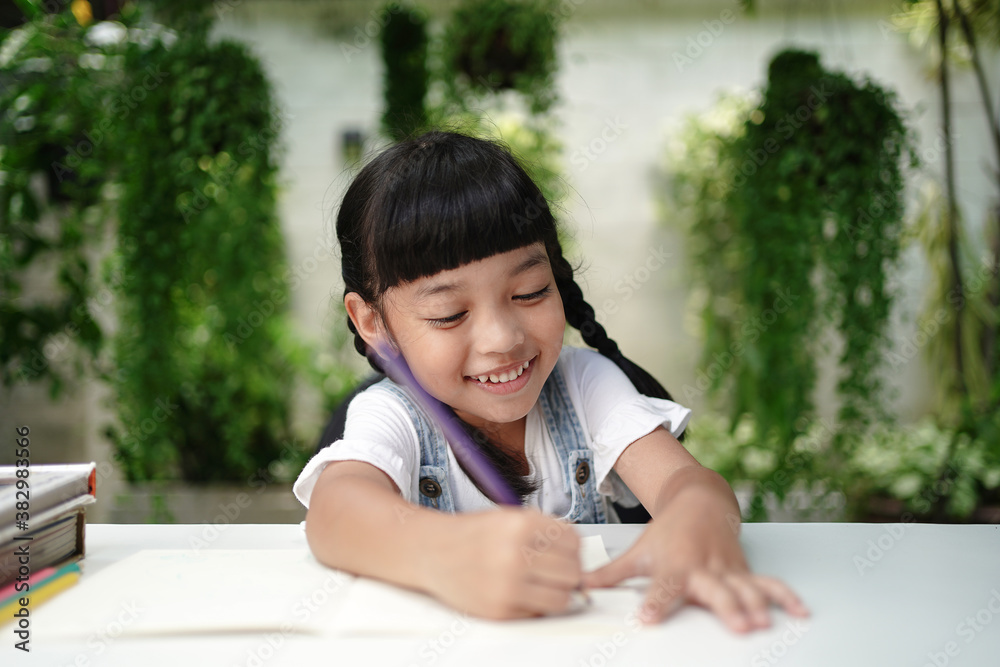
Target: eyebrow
537, 258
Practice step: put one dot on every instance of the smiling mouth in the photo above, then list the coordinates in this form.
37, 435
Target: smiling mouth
504, 377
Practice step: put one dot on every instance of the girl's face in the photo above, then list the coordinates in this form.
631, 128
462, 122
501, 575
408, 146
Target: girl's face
484, 337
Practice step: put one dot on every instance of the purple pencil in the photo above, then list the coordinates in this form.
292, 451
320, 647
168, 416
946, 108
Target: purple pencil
466, 451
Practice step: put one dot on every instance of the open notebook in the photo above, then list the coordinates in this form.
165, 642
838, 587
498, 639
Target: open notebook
214, 592
164, 592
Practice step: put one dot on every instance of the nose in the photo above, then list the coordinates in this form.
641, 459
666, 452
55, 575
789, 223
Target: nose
498, 331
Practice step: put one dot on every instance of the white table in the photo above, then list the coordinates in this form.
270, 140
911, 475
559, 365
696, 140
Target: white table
881, 594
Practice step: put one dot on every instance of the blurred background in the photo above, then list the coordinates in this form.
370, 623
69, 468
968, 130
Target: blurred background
787, 211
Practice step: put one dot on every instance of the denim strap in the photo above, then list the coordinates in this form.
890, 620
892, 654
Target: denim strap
563, 425
576, 457
432, 484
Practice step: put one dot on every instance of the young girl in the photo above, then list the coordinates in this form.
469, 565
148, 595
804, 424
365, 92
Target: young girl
451, 257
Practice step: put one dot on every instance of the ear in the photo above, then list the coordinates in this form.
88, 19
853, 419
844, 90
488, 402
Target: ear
366, 319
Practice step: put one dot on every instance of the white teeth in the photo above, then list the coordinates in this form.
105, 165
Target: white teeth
505, 377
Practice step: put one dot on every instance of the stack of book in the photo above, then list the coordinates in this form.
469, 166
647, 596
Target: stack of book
42, 522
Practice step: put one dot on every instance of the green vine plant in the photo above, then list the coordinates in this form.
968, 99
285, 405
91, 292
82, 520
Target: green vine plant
404, 41
493, 46
55, 83
204, 383
172, 140
796, 229
464, 78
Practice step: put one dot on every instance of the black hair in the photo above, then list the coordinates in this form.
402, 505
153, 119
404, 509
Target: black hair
442, 200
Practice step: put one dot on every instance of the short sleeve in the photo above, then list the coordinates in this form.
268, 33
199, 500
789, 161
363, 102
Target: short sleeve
378, 431
616, 414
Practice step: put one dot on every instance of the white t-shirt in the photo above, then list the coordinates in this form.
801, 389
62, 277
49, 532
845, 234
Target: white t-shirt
611, 412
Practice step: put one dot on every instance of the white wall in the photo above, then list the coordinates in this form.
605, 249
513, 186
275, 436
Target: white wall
617, 67
636, 73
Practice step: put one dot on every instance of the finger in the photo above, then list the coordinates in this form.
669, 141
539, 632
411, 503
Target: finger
666, 595
557, 570
541, 599
567, 548
710, 591
753, 600
552, 535
621, 568
783, 596
567, 544
568, 537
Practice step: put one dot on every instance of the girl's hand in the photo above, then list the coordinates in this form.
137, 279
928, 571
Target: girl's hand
692, 552
506, 563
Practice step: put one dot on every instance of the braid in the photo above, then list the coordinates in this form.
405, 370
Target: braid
580, 315
444, 200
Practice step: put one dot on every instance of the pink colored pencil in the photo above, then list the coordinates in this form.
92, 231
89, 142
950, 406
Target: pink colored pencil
33, 581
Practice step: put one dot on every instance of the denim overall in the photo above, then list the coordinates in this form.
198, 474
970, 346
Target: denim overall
575, 457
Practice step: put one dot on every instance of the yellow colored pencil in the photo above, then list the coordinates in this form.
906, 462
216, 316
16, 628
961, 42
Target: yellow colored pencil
50, 589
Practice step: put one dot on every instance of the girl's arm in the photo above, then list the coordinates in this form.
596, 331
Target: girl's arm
691, 548
506, 563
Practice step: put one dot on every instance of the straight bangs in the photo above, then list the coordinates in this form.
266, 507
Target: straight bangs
471, 201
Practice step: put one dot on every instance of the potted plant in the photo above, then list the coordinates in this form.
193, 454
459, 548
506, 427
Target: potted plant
491, 46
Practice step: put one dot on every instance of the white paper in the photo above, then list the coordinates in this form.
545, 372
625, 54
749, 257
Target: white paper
374, 608
592, 553
159, 592
171, 592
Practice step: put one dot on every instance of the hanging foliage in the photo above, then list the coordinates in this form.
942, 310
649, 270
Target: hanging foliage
491, 46
404, 44
57, 79
167, 141
800, 227
204, 381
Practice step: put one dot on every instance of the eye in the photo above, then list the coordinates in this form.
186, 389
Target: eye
545, 291
445, 321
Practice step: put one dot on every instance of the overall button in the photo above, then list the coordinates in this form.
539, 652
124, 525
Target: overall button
582, 472
432, 489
